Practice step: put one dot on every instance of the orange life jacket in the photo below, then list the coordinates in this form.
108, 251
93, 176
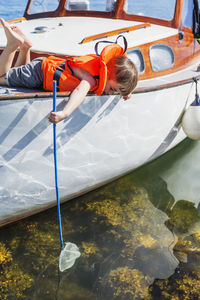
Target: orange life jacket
59, 69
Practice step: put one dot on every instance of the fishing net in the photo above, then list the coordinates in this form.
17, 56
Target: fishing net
68, 256
70, 251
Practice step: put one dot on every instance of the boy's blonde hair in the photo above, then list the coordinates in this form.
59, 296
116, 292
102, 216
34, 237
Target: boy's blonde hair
125, 74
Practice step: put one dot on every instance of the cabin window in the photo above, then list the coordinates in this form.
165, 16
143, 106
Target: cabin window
161, 57
99, 5
137, 57
157, 9
187, 13
39, 6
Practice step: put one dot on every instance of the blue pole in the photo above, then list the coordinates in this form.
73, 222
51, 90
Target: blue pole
55, 167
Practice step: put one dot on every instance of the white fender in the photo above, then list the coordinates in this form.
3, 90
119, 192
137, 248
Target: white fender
191, 122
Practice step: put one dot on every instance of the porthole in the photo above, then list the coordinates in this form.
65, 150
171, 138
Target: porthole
137, 57
161, 57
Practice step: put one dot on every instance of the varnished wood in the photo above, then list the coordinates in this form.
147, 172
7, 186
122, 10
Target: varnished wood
185, 54
114, 32
176, 22
15, 20
117, 13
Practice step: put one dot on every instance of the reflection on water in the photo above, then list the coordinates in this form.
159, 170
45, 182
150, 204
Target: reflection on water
137, 239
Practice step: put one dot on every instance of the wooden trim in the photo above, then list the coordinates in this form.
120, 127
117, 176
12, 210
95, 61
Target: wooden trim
119, 9
15, 20
178, 14
185, 52
59, 12
20, 96
114, 32
145, 19
117, 13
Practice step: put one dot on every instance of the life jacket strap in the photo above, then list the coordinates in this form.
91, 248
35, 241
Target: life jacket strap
57, 75
109, 42
59, 70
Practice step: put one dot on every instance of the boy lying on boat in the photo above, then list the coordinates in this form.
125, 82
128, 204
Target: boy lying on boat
110, 72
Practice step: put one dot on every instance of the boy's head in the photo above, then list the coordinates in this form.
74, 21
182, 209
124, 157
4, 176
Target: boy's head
122, 76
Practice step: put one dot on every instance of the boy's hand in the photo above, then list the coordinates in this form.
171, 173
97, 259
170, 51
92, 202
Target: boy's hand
56, 117
127, 97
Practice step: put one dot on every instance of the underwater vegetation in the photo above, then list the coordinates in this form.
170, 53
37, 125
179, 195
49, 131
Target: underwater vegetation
13, 280
134, 245
40, 249
128, 283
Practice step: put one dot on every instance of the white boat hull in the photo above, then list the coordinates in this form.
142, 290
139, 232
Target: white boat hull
104, 138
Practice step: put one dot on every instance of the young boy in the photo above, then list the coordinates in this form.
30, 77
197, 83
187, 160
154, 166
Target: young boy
121, 73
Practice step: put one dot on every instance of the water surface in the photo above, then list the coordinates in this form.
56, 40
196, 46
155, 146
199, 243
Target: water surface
137, 239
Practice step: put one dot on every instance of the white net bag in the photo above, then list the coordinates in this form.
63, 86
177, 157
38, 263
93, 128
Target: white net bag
68, 256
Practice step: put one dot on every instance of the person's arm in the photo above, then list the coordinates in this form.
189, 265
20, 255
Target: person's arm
75, 99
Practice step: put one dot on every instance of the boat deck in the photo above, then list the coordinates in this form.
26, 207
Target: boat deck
43, 31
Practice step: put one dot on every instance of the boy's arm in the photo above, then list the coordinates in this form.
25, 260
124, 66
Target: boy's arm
75, 99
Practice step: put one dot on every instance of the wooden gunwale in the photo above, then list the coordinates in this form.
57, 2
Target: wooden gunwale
139, 90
